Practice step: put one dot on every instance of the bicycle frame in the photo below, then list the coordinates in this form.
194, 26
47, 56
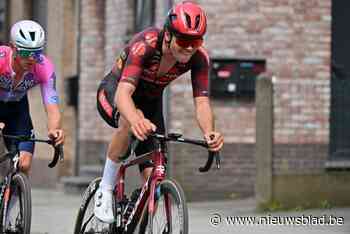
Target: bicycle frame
158, 174
5, 187
148, 189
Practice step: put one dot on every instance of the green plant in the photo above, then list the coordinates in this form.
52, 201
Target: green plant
325, 204
270, 206
299, 208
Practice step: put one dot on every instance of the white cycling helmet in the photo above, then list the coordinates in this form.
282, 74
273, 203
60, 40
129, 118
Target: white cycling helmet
28, 34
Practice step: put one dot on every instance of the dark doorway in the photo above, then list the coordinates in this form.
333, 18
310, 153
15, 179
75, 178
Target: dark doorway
340, 82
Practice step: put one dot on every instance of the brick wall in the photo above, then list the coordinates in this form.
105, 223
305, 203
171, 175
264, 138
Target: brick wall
120, 25
105, 29
92, 62
92, 65
294, 38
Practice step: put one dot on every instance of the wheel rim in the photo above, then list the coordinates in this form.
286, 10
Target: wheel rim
160, 223
91, 224
15, 222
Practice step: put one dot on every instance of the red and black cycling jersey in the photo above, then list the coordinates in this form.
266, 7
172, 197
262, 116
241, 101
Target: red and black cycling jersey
139, 63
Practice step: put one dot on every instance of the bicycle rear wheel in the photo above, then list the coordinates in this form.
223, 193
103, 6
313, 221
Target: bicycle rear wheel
86, 222
19, 208
171, 213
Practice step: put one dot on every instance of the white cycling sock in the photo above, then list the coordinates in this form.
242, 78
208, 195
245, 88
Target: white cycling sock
109, 178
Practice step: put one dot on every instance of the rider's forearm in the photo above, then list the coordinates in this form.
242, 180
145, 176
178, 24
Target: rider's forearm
204, 115
53, 117
125, 104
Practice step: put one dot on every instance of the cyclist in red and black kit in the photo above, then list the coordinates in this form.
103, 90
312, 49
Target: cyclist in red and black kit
130, 96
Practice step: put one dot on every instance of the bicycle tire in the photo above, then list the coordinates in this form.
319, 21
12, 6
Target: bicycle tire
1, 212
172, 189
21, 181
87, 198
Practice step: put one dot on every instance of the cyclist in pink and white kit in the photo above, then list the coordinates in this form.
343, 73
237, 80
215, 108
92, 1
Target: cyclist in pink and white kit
23, 66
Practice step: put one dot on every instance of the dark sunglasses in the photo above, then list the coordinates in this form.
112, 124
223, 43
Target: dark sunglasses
185, 43
28, 53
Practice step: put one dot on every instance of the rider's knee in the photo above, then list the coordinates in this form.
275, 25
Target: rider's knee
123, 126
119, 142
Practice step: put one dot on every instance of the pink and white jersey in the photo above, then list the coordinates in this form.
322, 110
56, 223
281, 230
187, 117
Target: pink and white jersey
41, 73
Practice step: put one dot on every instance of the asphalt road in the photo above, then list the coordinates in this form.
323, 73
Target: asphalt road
54, 212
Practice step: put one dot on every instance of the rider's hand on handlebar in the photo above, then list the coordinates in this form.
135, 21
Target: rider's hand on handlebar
57, 135
142, 127
2, 125
214, 140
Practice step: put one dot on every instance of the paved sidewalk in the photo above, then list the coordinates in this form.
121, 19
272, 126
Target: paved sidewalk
202, 213
54, 213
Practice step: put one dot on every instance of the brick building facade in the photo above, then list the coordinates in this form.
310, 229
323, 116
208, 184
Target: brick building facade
293, 37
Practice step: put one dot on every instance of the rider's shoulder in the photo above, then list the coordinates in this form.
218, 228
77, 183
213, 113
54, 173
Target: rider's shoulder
148, 37
147, 33
45, 61
44, 67
144, 43
5, 52
5, 59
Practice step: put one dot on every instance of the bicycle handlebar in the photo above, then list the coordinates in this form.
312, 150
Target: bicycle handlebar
178, 138
58, 153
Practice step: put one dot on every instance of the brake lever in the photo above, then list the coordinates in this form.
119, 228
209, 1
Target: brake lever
58, 155
208, 164
54, 161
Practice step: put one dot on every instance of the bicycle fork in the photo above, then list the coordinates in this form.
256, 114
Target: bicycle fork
155, 192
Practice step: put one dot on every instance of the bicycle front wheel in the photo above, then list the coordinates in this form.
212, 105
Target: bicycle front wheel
86, 222
19, 207
171, 213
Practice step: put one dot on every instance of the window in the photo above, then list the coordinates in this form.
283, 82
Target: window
144, 14
3, 23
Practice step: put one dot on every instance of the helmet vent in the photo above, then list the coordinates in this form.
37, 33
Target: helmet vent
22, 34
188, 20
32, 35
197, 22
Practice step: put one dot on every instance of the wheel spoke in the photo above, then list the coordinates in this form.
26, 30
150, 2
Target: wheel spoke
87, 223
170, 214
19, 207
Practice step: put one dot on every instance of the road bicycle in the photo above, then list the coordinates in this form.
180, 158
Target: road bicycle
159, 206
15, 189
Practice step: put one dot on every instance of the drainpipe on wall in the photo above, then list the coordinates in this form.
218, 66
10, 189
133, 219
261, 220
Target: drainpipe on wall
77, 152
166, 100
